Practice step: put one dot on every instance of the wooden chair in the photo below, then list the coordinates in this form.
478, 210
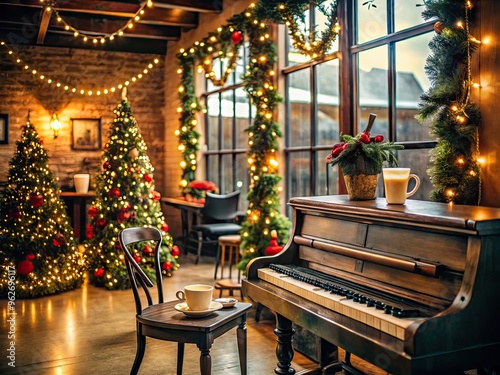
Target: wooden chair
161, 321
218, 216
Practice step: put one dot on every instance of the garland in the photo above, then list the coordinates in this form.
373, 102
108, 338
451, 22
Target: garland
455, 174
292, 13
263, 214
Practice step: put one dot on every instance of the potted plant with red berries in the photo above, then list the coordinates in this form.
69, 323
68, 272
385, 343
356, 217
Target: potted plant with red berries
361, 159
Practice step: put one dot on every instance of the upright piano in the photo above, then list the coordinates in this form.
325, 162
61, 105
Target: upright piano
412, 289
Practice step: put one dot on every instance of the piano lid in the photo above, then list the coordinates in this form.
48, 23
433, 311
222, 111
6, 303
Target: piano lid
476, 218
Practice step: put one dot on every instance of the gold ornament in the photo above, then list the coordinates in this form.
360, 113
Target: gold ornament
438, 27
134, 153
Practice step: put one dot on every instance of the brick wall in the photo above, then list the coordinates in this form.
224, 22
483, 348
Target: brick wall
21, 91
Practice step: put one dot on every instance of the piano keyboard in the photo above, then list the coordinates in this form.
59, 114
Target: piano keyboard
360, 308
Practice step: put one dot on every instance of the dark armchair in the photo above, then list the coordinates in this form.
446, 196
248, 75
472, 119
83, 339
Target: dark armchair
218, 217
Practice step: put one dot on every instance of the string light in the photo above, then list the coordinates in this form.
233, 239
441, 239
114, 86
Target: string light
69, 88
98, 39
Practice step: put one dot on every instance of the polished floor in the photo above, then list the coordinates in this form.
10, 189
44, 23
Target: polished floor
92, 331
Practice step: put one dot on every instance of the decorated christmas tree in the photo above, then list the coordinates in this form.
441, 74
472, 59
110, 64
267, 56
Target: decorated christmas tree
125, 197
38, 253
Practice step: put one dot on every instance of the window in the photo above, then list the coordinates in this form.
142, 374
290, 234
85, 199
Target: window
381, 72
229, 113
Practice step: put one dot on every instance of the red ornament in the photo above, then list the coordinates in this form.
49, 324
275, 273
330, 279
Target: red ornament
166, 266
378, 138
29, 256
100, 222
99, 272
123, 215
365, 138
106, 165
148, 177
156, 195
175, 251
148, 250
56, 242
25, 267
92, 211
237, 37
36, 200
14, 214
114, 193
164, 227
89, 231
137, 257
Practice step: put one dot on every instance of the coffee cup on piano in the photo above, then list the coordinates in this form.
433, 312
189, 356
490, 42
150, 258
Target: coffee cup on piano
396, 184
197, 296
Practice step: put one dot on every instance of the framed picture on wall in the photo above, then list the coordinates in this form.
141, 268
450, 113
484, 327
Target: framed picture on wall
86, 133
4, 129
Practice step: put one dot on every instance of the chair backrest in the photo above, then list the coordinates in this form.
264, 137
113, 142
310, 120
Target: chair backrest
137, 276
220, 207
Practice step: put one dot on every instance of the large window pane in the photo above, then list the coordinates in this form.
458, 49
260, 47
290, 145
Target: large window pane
373, 90
243, 115
214, 112
326, 175
227, 105
299, 174
411, 82
327, 131
372, 21
299, 96
407, 13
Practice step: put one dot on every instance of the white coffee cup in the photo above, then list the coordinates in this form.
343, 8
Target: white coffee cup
396, 184
197, 296
82, 182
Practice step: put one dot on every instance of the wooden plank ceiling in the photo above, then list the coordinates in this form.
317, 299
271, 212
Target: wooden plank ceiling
28, 22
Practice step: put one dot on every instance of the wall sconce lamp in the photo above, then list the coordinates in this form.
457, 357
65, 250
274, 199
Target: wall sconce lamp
55, 125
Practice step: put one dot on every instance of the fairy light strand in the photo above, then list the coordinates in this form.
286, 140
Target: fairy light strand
97, 39
73, 89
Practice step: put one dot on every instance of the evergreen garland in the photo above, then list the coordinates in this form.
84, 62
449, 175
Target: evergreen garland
263, 214
455, 173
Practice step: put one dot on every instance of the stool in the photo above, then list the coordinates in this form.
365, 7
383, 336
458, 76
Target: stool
232, 244
230, 285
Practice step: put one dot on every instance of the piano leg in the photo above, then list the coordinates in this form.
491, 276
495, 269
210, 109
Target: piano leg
284, 349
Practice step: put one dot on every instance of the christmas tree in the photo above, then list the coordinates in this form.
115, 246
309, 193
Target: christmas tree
38, 253
125, 197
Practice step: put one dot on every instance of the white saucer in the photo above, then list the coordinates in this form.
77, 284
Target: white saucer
183, 307
226, 302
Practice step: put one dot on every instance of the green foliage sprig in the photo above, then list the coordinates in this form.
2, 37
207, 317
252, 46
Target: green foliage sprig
363, 154
455, 173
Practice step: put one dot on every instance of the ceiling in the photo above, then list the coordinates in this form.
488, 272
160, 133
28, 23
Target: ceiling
28, 22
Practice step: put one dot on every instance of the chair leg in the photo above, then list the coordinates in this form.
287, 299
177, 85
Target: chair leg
139, 354
217, 261
180, 357
241, 336
200, 243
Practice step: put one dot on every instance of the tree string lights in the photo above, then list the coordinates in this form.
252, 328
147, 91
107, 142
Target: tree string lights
66, 87
37, 246
263, 213
97, 39
455, 173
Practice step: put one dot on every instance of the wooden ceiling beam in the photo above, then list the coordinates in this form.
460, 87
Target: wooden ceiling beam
44, 25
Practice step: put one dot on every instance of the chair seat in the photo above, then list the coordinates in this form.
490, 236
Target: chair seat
217, 229
164, 316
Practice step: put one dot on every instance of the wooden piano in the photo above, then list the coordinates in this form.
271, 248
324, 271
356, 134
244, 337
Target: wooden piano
412, 289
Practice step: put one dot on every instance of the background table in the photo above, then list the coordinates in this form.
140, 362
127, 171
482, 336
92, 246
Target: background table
77, 203
189, 214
